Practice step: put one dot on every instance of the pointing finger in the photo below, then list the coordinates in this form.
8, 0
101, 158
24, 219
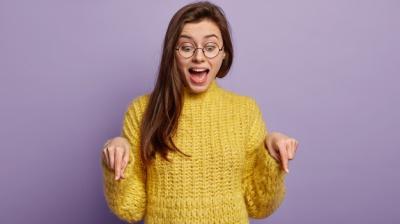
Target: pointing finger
284, 156
118, 161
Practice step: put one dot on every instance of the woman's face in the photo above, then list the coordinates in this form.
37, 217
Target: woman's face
199, 70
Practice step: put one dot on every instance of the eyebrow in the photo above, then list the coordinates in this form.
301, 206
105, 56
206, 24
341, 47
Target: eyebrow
207, 36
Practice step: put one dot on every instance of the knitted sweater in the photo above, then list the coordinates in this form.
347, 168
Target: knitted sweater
229, 177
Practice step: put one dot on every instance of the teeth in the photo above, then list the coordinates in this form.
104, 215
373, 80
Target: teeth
199, 69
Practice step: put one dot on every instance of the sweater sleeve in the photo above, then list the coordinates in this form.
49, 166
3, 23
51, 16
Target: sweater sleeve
263, 179
127, 197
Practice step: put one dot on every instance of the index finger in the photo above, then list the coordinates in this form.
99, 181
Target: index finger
284, 157
118, 161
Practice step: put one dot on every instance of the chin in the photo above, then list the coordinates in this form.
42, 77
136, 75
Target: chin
198, 89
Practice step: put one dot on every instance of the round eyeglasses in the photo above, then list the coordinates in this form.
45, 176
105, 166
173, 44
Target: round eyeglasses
187, 50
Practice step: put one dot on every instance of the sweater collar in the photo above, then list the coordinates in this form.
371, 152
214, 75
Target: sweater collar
212, 89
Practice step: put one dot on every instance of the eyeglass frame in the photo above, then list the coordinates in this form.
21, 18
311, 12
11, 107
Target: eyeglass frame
202, 49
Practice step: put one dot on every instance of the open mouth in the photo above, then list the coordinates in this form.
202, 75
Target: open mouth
198, 75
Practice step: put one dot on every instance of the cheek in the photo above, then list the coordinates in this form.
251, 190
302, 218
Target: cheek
217, 64
181, 65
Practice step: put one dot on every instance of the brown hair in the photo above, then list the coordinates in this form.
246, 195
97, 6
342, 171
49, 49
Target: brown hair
160, 119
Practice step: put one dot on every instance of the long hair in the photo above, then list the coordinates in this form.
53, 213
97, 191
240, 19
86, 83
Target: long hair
160, 119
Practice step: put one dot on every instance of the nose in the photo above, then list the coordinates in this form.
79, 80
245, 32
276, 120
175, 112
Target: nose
198, 55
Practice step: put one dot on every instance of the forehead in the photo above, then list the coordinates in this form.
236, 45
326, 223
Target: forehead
200, 31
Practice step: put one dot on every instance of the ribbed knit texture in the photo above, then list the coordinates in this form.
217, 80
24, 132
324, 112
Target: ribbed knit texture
230, 176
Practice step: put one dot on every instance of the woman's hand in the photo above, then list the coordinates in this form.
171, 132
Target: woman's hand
281, 147
116, 155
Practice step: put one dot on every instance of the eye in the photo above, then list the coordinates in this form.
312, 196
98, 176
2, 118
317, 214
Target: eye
187, 48
210, 47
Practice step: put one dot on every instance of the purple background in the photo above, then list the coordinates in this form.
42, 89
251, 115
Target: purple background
324, 72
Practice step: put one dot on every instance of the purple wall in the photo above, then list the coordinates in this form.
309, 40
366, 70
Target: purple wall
324, 72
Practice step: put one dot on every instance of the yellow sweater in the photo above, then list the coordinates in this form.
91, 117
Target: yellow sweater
229, 177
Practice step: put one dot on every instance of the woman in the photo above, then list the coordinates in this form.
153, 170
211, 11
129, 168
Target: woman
195, 151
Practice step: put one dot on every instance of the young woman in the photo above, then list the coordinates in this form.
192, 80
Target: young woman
191, 151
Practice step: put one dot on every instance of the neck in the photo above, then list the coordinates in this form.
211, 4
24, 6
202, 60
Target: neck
212, 88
